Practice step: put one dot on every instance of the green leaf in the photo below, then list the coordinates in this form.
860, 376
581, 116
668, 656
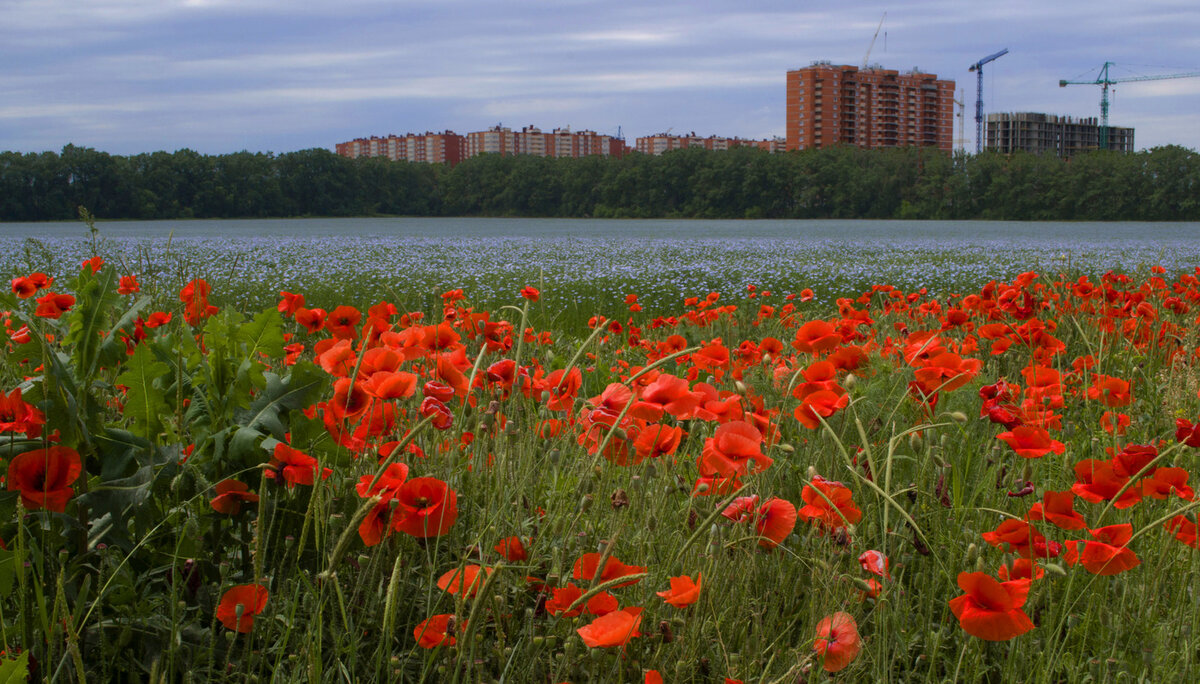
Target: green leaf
95, 300
263, 335
300, 388
144, 403
8, 572
119, 451
15, 670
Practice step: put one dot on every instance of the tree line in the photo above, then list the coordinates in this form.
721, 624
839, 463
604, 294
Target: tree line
841, 182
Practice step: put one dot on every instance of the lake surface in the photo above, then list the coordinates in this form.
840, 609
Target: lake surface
595, 258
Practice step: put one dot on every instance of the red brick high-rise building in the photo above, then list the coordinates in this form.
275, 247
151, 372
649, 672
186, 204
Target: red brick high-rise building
843, 105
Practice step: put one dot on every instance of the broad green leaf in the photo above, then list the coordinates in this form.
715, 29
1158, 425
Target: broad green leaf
300, 388
15, 670
96, 299
144, 402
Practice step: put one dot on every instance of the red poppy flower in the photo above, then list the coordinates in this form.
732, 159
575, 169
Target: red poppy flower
24, 287
467, 581
1167, 481
1186, 433
512, 549
774, 522
312, 319
1019, 537
1117, 423
837, 641
290, 303
44, 477
683, 592
294, 466
1031, 442
1097, 481
1110, 391
53, 305
343, 321
828, 504
240, 604
18, 416
815, 337
1184, 529
1058, 508
586, 567
531, 293
230, 496
427, 508
128, 285
95, 264
875, 563
820, 404
1106, 556
991, 610
613, 629
1021, 568
387, 486
437, 631
734, 449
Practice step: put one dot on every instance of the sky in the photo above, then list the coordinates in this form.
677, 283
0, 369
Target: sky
220, 76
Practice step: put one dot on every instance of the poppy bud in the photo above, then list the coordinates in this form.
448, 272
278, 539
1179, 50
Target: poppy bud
740, 386
850, 382
585, 503
915, 442
958, 416
1055, 569
787, 448
972, 552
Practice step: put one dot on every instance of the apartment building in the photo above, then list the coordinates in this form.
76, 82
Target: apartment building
1062, 136
446, 147
665, 142
874, 107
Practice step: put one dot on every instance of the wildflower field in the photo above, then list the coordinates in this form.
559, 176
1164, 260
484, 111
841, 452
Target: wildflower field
768, 482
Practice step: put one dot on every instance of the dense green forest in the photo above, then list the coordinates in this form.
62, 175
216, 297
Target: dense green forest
843, 182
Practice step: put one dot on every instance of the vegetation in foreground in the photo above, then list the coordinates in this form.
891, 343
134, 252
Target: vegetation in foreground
990, 487
841, 182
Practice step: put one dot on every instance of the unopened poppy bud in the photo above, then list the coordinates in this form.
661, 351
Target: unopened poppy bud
812, 473
569, 648
585, 503
787, 448
979, 565
915, 442
972, 552
767, 359
958, 416
554, 456
700, 488
1055, 568
1027, 473
850, 382
619, 433
650, 471
944, 440
740, 386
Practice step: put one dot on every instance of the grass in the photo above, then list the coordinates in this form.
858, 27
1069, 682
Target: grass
98, 602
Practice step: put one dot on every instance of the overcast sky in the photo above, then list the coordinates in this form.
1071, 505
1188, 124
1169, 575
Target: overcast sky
217, 76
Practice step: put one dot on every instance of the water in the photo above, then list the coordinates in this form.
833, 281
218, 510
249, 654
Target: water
663, 260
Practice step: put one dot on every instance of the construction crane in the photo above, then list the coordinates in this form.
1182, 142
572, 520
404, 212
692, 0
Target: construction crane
961, 141
978, 68
1104, 82
872, 45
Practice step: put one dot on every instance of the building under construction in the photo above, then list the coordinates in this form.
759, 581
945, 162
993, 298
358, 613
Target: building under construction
1062, 136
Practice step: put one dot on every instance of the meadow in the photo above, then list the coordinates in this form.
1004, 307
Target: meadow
631, 459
